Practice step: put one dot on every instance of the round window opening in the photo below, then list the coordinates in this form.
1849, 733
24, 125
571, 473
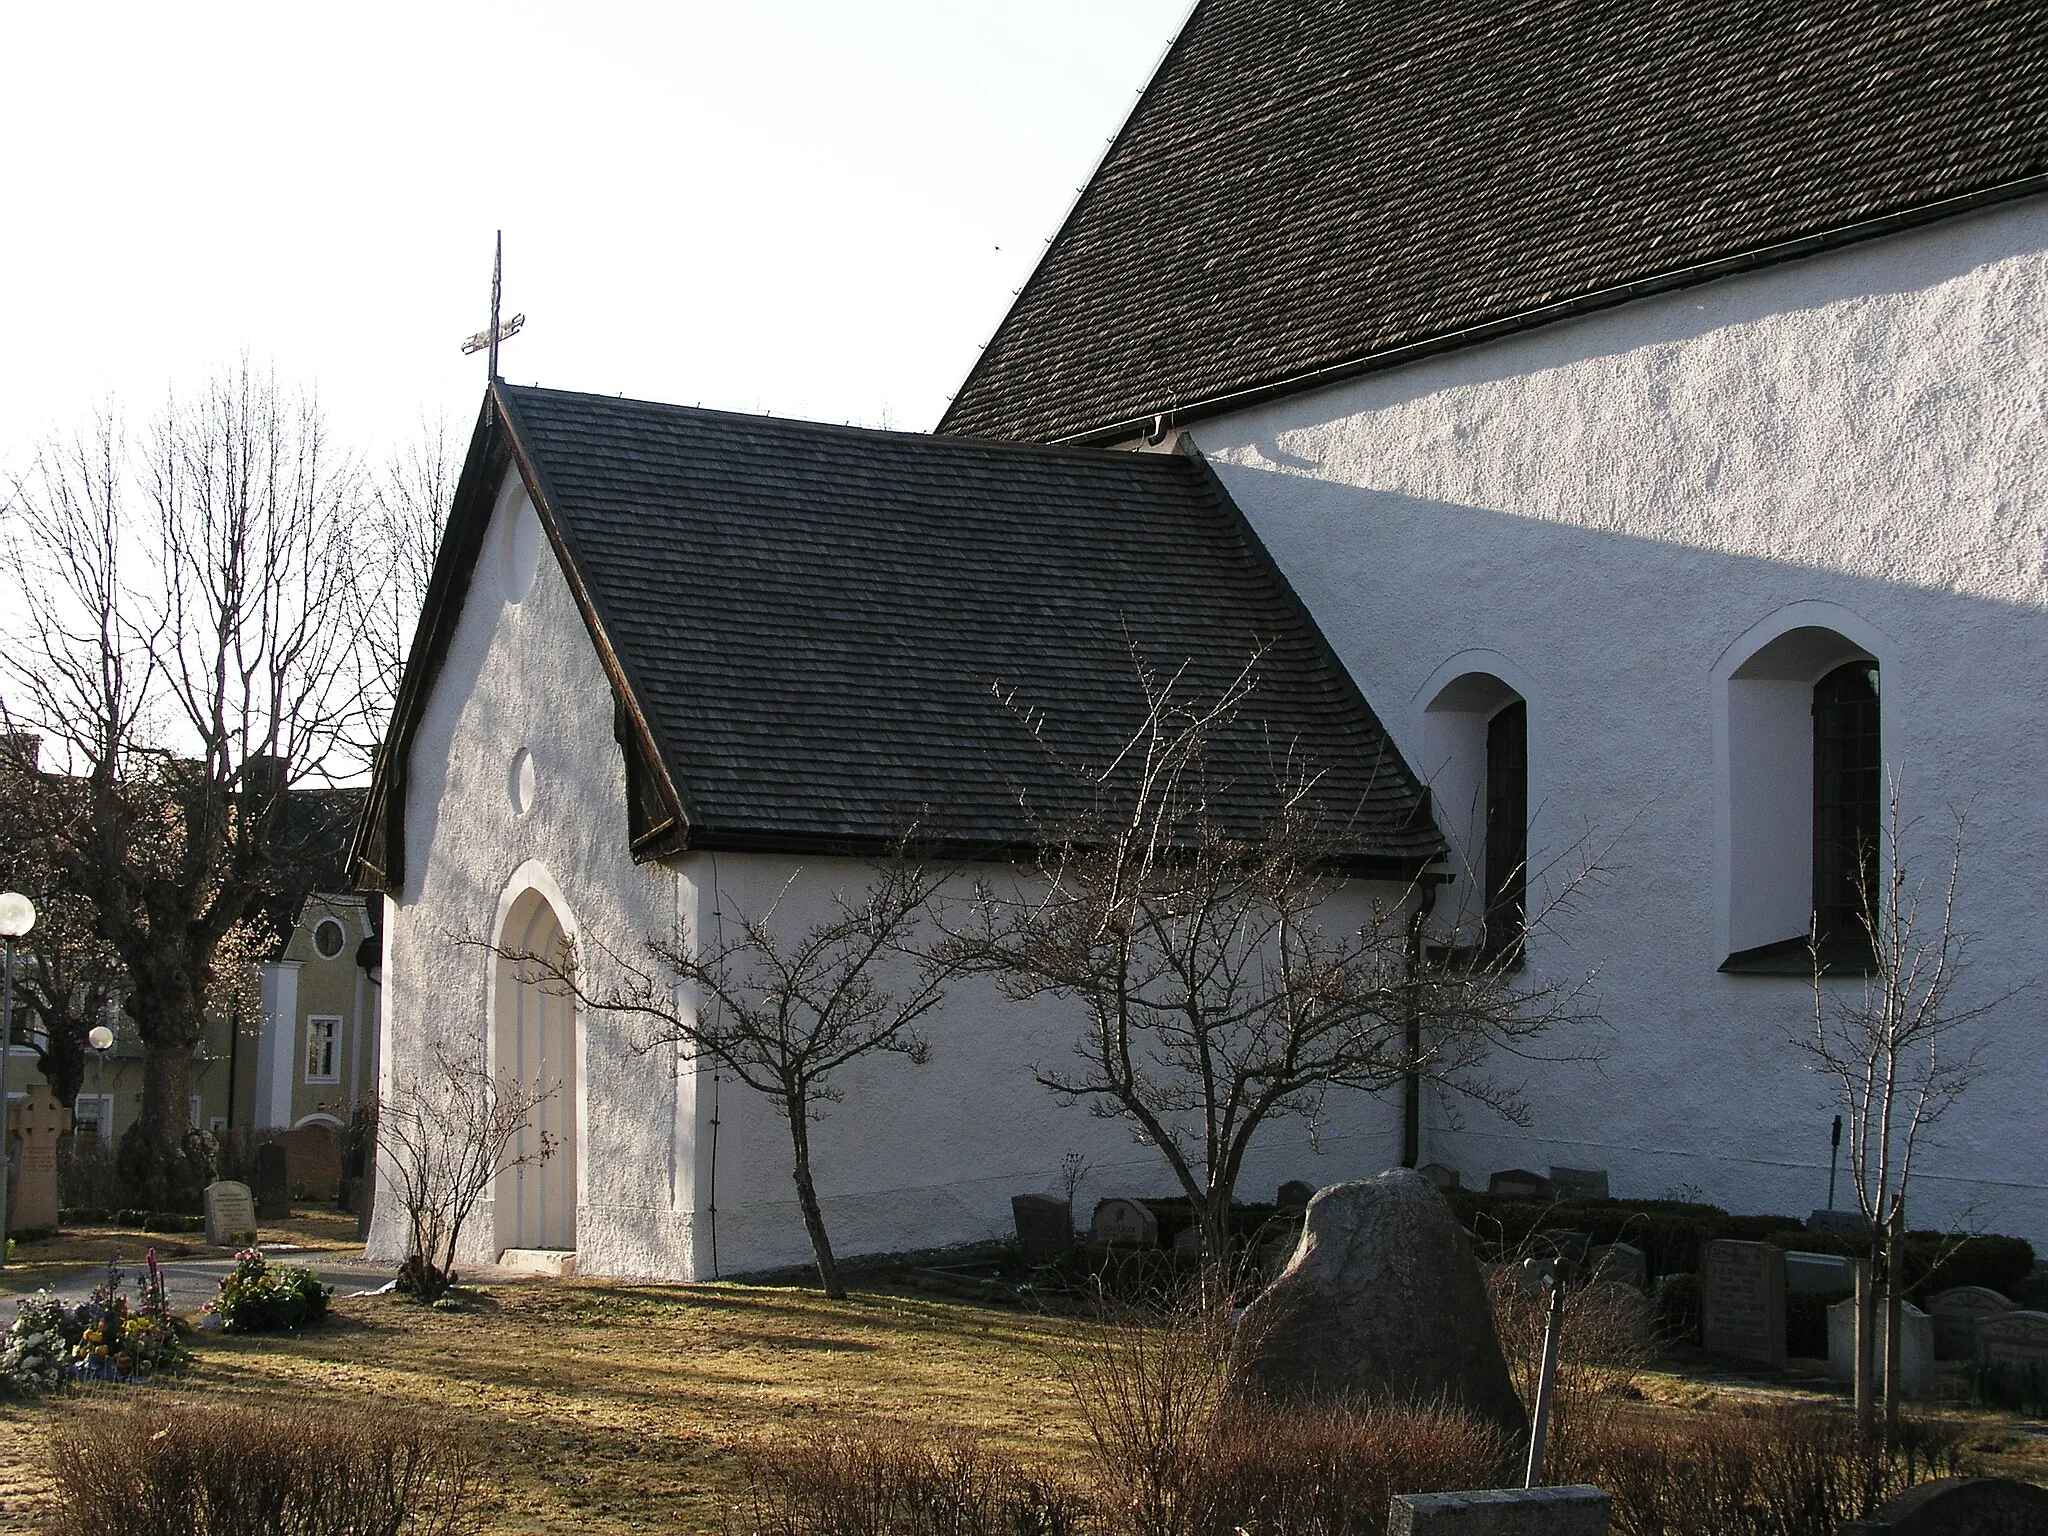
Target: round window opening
329, 938
518, 538
519, 782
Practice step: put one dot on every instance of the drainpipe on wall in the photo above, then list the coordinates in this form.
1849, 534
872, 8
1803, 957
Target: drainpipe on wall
1411, 1097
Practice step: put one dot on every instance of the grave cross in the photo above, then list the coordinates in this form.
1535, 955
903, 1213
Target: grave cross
487, 340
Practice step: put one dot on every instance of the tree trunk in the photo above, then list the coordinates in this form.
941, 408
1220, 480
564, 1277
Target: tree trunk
807, 1199
1866, 1338
167, 1090
1894, 1319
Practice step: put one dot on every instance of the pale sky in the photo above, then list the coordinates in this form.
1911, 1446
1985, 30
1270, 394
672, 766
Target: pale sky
809, 208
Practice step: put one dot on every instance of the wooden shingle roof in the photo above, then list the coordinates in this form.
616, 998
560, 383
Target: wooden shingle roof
1310, 188
808, 626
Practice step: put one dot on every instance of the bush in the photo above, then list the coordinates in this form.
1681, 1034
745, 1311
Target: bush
221, 1470
1678, 1309
86, 1176
1791, 1470
885, 1484
260, 1297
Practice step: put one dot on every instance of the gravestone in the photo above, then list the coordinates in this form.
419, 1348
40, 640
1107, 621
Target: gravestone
1519, 1181
1440, 1175
1295, 1195
1126, 1223
1383, 1301
312, 1162
1916, 1347
2013, 1341
1851, 1222
1579, 1183
230, 1208
1960, 1506
1807, 1273
1188, 1241
1045, 1226
273, 1189
1957, 1313
1581, 1510
1742, 1301
1620, 1264
33, 1126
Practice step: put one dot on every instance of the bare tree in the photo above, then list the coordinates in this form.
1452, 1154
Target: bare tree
1899, 1052
784, 1011
400, 538
446, 1133
187, 650
1223, 991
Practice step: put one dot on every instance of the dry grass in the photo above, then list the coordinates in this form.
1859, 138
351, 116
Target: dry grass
602, 1409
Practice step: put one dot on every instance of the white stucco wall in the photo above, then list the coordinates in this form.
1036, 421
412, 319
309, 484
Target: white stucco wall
912, 1157
524, 676
1625, 506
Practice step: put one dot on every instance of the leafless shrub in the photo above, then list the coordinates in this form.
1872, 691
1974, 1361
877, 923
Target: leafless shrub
1175, 1455
895, 1484
448, 1132
86, 1175
1150, 1388
1609, 1338
1787, 1470
219, 1470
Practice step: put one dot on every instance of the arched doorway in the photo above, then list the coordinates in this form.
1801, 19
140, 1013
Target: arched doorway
534, 1041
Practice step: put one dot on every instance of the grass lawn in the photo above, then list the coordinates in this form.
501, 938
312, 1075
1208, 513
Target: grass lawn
608, 1408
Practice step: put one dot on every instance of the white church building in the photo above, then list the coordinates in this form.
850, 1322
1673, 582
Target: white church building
1625, 421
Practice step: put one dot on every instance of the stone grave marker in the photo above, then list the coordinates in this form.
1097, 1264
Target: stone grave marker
312, 1162
1574, 1510
1742, 1301
1295, 1195
1579, 1183
1188, 1241
1916, 1347
1382, 1300
1126, 1223
33, 1126
1956, 1314
1045, 1226
273, 1188
1620, 1264
2014, 1341
230, 1208
1806, 1273
1960, 1506
1439, 1174
1519, 1181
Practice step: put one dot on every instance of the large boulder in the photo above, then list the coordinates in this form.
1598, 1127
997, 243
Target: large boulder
1383, 1301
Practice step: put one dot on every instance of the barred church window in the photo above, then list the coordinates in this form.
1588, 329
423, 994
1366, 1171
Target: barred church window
1848, 790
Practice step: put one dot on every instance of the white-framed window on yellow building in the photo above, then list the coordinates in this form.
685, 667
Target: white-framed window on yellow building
323, 1055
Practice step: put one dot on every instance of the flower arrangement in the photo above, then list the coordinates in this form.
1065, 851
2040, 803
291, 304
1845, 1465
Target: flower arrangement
104, 1338
259, 1296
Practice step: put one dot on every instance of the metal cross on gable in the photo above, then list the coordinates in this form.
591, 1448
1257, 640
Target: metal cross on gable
488, 340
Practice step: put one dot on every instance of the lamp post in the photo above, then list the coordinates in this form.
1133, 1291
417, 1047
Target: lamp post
17, 916
101, 1039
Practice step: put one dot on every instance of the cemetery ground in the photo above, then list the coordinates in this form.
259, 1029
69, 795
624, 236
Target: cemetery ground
605, 1408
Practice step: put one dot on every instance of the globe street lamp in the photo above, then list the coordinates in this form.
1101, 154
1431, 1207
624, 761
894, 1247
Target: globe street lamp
17, 916
101, 1039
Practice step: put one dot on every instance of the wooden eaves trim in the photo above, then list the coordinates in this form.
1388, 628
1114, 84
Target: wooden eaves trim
377, 854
